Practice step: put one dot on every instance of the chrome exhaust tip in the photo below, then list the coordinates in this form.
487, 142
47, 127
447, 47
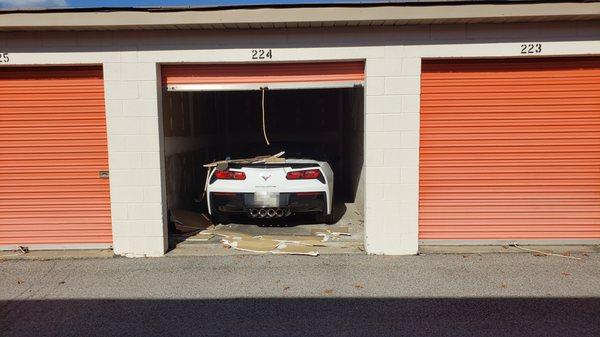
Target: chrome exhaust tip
262, 212
253, 212
271, 212
279, 212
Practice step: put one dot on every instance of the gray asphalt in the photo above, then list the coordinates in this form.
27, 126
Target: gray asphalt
332, 295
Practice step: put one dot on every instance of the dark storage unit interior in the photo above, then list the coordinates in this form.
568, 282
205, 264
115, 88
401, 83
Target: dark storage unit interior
202, 126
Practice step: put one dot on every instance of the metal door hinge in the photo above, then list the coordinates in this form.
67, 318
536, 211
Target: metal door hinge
103, 174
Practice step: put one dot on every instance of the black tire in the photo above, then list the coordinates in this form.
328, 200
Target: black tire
326, 218
220, 219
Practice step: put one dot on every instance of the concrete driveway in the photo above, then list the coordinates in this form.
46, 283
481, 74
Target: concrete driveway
331, 295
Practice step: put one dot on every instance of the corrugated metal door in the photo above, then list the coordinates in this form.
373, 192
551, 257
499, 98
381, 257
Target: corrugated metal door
262, 73
510, 149
52, 147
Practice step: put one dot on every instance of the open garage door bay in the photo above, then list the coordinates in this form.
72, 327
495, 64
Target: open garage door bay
313, 112
53, 148
510, 149
251, 76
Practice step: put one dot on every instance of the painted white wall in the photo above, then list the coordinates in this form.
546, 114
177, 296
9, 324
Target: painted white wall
393, 58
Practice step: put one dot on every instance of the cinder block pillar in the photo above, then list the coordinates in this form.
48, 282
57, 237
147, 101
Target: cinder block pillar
132, 112
392, 155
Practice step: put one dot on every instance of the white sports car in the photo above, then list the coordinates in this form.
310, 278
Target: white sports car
271, 190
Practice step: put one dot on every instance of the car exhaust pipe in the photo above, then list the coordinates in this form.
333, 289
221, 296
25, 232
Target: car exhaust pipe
262, 212
271, 212
253, 212
279, 212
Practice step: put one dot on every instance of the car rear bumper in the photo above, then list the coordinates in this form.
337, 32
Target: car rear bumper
284, 205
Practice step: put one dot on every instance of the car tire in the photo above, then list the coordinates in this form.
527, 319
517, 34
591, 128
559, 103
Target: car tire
220, 219
326, 218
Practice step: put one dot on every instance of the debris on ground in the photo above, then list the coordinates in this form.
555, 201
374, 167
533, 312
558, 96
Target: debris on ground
226, 232
274, 244
330, 231
296, 239
535, 251
197, 227
190, 221
294, 249
328, 291
20, 250
258, 245
191, 224
252, 245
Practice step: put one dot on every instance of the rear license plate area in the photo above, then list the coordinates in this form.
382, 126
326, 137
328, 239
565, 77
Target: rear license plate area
263, 199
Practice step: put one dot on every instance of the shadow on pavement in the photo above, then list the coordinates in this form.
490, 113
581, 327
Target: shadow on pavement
303, 317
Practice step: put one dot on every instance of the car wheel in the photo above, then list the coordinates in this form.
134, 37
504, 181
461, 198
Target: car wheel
220, 219
326, 218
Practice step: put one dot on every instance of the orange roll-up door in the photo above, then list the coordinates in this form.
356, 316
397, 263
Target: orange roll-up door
510, 149
52, 147
262, 73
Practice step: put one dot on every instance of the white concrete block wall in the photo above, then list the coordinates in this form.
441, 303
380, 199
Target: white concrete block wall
134, 158
392, 129
393, 65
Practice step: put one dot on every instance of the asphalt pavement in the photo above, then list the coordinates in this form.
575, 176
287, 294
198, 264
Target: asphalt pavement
331, 295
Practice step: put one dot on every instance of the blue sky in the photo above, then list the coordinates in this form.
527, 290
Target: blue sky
5, 4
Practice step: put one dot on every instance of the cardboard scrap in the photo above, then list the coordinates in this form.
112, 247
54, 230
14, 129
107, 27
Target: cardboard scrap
274, 160
252, 245
304, 240
263, 246
295, 249
274, 244
222, 164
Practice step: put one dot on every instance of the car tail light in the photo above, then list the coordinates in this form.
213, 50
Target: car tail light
230, 175
308, 194
224, 194
305, 174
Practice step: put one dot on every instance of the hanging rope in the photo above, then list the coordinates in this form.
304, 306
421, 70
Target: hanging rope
264, 126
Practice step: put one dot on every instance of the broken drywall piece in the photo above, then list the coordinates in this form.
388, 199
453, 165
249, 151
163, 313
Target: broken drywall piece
263, 159
223, 164
297, 239
224, 231
252, 245
331, 231
295, 249
274, 160
262, 245
275, 244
